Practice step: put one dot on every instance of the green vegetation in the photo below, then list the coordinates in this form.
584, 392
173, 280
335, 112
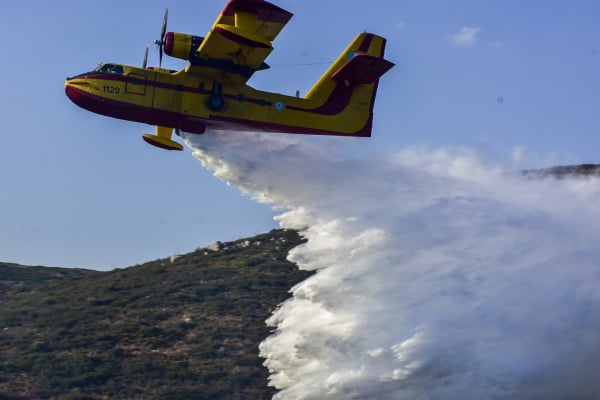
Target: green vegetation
179, 328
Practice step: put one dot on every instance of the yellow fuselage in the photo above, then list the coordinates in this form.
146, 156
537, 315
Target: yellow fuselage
181, 100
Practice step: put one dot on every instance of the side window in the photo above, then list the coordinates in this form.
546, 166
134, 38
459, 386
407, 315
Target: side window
112, 68
104, 68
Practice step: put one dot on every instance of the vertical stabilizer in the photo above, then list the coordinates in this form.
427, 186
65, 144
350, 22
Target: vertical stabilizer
349, 86
365, 52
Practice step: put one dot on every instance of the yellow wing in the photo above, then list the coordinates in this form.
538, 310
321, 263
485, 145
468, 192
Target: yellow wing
240, 39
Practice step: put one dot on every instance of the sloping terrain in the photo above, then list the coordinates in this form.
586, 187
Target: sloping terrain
185, 327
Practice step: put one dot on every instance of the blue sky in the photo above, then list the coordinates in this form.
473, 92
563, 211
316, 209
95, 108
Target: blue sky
82, 190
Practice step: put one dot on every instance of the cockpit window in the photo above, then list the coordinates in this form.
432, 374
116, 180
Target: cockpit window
110, 68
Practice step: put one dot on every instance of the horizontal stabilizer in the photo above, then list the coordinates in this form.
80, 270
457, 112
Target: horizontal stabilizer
362, 68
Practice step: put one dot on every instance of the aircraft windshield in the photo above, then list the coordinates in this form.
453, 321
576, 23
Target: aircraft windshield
110, 68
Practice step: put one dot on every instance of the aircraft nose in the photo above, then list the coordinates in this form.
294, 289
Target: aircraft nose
69, 83
74, 89
68, 86
69, 90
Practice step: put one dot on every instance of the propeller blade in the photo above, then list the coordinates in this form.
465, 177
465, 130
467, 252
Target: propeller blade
163, 32
161, 42
145, 57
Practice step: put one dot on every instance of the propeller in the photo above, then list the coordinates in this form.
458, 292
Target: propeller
145, 57
161, 42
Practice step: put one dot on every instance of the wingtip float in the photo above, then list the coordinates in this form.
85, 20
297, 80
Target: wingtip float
211, 91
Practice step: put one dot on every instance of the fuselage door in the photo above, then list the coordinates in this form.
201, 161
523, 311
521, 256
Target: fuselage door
136, 84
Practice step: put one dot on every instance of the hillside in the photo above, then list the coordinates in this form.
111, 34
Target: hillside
186, 327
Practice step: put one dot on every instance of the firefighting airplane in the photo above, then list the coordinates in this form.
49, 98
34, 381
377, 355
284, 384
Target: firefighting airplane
211, 91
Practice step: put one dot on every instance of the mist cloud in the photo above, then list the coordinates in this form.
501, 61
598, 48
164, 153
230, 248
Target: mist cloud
437, 277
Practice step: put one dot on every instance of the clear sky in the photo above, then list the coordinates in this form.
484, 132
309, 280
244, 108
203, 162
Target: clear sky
517, 81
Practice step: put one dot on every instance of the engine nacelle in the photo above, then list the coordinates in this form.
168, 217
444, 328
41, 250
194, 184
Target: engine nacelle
181, 45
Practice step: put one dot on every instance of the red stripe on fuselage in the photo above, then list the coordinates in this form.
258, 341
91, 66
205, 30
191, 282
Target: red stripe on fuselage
148, 81
336, 103
132, 112
224, 123
152, 116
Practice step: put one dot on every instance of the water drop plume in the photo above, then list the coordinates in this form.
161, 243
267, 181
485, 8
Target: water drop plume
436, 276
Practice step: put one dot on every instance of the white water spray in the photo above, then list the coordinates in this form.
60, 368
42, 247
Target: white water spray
437, 278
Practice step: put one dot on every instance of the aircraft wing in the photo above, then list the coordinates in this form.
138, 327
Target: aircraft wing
240, 39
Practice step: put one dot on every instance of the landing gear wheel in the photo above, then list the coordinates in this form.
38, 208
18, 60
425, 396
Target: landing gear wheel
215, 103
